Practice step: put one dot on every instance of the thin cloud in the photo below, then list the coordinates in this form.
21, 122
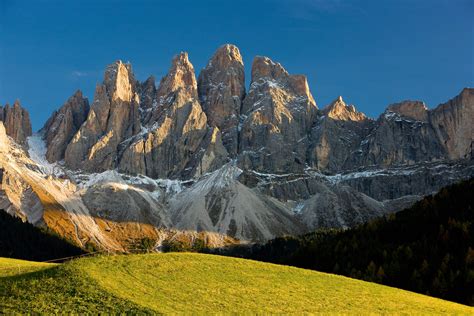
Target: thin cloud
77, 73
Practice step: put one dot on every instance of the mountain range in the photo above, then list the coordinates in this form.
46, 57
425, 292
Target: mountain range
206, 158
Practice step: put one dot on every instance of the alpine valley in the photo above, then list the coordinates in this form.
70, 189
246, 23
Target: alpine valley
206, 158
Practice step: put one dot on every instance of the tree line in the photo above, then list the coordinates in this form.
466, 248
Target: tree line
22, 240
427, 248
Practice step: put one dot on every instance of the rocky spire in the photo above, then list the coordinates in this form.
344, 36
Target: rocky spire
177, 141
63, 125
113, 116
147, 92
180, 76
17, 122
339, 110
279, 109
180, 82
221, 88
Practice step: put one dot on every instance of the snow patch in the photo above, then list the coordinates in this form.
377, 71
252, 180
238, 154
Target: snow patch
37, 152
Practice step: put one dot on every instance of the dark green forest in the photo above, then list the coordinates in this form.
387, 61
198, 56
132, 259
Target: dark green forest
25, 241
428, 248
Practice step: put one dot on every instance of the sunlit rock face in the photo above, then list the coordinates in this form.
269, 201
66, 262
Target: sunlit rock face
113, 116
176, 141
339, 110
336, 136
221, 88
4, 142
453, 124
16, 121
277, 114
63, 125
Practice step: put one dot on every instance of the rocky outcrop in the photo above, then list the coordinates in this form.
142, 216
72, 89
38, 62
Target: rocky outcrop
399, 139
113, 116
4, 141
412, 110
453, 124
221, 88
279, 109
340, 111
408, 133
16, 121
63, 125
336, 137
176, 141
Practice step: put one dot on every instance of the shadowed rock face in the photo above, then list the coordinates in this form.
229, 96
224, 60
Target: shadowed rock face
336, 136
408, 133
221, 88
405, 134
16, 121
63, 125
277, 114
414, 110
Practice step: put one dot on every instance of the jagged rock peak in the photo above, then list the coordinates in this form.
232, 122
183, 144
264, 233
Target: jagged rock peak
180, 76
264, 67
119, 81
339, 110
227, 54
221, 89
17, 122
415, 110
63, 124
266, 71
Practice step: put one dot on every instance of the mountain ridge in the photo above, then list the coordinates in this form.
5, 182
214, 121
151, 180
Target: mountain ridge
291, 156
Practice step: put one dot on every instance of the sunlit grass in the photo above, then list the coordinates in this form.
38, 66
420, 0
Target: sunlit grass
187, 283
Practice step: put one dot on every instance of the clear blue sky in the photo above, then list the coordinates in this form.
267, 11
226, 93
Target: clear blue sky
373, 53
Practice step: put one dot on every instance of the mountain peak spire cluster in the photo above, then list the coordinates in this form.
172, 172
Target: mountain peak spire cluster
205, 154
187, 126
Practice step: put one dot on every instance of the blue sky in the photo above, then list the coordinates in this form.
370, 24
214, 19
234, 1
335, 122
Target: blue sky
373, 53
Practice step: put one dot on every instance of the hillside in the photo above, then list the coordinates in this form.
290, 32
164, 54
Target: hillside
184, 282
25, 241
428, 248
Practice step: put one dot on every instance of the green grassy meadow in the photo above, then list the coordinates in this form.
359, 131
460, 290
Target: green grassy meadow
187, 282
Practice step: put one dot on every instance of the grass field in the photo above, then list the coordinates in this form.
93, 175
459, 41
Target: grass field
184, 282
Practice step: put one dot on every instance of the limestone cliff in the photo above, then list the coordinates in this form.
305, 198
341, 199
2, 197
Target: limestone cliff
221, 88
63, 125
16, 121
276, 116
176, 140
113, 116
